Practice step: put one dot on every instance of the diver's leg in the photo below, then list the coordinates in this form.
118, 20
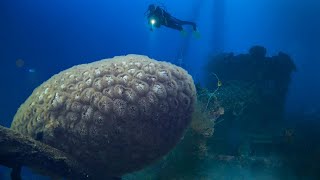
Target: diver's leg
174, 26
194, 26
178, 21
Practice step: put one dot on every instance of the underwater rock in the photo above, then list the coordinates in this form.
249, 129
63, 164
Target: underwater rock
115, 115
254, 67
258, 52
17, 150
254, 89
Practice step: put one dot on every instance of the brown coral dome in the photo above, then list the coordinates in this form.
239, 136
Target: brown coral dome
115, 115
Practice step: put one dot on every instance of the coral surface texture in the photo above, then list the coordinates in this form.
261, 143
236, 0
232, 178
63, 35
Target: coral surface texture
116, 115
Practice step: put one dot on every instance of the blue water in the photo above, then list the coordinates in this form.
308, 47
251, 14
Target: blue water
50, 36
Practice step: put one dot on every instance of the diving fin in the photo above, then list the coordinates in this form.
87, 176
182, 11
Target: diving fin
197, 34
183, 32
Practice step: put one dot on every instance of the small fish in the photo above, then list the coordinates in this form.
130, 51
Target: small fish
31, 70
20, 63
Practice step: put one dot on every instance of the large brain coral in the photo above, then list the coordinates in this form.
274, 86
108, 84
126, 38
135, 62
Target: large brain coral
116, 115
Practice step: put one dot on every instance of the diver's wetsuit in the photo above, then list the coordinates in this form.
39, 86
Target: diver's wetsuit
167, 20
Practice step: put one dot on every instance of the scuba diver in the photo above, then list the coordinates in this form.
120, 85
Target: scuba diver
157, 16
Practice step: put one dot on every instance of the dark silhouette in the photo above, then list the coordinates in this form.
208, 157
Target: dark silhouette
157, 16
